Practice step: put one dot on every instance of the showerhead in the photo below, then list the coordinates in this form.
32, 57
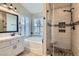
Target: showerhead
67, 11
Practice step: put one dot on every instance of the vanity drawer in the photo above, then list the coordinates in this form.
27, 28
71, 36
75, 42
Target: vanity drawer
4, 44
7, 51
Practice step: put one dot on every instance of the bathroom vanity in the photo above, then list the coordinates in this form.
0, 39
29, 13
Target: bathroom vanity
11, 46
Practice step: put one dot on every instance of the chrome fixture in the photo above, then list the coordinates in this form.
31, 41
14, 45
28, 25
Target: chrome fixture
9, 6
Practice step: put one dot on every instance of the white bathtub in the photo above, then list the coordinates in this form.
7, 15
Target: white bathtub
34, 44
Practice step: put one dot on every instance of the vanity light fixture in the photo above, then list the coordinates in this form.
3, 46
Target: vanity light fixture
5, 4
9, 6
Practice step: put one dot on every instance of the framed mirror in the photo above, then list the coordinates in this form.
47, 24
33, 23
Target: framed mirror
8, 22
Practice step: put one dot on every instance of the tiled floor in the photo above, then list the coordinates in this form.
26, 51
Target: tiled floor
55, 52
60, 52
27, 53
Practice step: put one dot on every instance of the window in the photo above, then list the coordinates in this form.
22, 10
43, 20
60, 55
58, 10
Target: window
36, 28
25, 26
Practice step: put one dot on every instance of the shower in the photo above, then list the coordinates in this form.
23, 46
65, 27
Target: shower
62, 26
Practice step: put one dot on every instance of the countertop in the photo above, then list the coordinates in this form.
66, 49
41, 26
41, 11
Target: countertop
8, 38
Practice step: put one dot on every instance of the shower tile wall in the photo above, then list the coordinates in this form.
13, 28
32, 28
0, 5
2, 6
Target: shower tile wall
75, 36
61, 39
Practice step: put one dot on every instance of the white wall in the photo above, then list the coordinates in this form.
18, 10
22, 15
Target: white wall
47, 29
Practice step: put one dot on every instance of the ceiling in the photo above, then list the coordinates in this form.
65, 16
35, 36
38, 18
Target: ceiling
38, 7
33, 7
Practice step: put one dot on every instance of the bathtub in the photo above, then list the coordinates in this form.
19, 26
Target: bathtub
34, 44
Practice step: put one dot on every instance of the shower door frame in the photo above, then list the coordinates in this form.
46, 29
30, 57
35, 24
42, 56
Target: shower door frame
45, 41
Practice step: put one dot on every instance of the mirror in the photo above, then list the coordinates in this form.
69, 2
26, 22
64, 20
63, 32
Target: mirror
8, 22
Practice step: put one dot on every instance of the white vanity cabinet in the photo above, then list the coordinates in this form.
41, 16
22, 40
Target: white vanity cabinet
11, 46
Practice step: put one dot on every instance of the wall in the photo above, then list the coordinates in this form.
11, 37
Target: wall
61, 39
47, 29
2, 18
75, 37
22, 12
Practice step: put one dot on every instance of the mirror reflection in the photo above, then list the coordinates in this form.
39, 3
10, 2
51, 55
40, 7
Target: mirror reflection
8, 22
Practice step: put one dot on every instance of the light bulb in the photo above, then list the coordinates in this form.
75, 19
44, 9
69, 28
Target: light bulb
15, 9
11, 6
5, 4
